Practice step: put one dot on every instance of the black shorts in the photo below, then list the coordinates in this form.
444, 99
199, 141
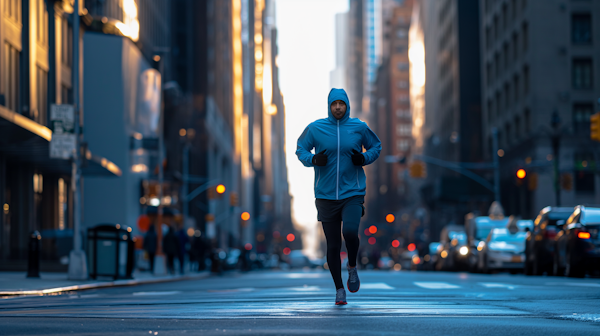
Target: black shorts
331, 210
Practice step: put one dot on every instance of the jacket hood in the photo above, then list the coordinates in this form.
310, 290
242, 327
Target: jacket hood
338, 94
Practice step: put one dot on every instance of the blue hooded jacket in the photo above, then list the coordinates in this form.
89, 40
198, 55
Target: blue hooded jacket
340, 178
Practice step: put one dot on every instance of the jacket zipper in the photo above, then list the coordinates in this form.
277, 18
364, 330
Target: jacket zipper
337, 187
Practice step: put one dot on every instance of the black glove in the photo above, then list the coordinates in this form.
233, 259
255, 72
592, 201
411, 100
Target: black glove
357, 158
320, 159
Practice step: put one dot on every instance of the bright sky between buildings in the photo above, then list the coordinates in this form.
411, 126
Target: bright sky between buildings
306, 41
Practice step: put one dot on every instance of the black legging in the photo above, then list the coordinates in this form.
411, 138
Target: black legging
351, 215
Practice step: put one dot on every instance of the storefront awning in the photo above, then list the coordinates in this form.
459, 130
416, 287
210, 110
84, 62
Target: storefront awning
23, 140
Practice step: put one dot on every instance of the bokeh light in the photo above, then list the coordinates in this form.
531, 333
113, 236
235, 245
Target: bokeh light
411, 247
395, 243
390, 218
287, 251
291, 237
373, 229
372, 240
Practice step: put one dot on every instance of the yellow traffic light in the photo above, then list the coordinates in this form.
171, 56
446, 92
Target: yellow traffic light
595, 127
417, 169
521, 173
220, 189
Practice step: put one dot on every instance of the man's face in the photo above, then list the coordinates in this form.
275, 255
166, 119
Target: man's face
338, 109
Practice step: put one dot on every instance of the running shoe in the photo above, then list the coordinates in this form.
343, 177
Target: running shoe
353, 282
340, 297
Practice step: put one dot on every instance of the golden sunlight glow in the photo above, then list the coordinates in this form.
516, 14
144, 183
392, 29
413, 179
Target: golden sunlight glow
238, 90
416, 57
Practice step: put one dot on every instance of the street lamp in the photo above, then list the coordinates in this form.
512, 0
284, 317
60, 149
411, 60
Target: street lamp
555, 123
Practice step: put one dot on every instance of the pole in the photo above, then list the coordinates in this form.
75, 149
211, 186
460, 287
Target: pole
496, 160
159, 261
186, 172
555, 123
77, 259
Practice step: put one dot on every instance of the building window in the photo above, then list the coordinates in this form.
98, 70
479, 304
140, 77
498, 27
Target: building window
496, 65
509, 138
403, 130
516, 88
515, 47
504, 16
505, 55
581, 28
42, 22
402, 84
517, 128
581, 118
496, 28
402, 145
11, 71
13, 9
489, 73
490, 109
527, 121
498, 105
403, 113
525, 37
526, 80
40, 114
582, 73
507, 91
488, 37
67, 43
402, 66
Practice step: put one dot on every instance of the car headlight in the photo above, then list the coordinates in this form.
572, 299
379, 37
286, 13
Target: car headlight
464, 250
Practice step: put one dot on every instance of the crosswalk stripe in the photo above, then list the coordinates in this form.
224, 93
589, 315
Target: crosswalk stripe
497, 285
375, 285
436, 285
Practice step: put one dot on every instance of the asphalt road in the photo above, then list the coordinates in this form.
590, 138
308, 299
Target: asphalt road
294, 303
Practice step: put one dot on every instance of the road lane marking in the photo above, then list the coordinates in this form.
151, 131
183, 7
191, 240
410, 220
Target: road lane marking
156, 293
573, 284
375, 285
497, 285
436, 285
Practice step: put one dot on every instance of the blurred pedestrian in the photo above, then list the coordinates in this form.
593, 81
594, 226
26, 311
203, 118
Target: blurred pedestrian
198, 252
340, 181
183, 239
150, 242
171, 248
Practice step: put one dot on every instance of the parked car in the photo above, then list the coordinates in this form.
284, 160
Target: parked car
578, 244
478, 229
503, 250
453, 254
298, 259
539, 245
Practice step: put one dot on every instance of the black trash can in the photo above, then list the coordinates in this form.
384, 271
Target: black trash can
110, 251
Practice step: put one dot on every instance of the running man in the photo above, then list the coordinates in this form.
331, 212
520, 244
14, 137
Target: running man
340, 181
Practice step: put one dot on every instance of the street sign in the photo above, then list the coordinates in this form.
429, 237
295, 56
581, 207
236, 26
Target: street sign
62, 122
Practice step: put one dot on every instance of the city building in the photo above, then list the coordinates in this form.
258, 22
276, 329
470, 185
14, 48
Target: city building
35, 188
539, 88
446, 107
391, 119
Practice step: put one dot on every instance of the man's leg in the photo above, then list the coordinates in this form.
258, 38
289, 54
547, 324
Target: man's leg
351, 215
334, 245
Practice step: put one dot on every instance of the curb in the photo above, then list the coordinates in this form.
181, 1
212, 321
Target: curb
96, 285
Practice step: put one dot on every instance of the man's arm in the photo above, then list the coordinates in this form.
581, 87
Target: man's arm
372, 144
305, 145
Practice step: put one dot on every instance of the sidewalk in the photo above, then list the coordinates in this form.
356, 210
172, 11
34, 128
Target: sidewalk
16, 283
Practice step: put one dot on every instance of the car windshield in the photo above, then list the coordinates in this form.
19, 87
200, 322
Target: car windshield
591, 217
554, 217
507, 237
482, 233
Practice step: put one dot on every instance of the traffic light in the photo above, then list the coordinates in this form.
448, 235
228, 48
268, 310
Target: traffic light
220, 189
566, 181
521, 173
417, 169
233, 199
595, 127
